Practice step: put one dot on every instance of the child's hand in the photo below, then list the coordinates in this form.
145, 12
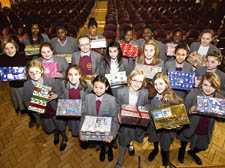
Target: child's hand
52, 96
59, 75
109, 140
193, 110
119, 118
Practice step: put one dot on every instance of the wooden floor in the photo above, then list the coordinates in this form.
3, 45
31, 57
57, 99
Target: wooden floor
24, 147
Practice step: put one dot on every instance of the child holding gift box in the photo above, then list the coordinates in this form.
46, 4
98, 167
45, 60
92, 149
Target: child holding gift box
136, 95
213, 60
47, 54
179, 64
101, 103
35, 71
161, 96
200, 130
74, 87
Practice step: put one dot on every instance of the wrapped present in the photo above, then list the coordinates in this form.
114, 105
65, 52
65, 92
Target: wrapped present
197, 59
89, 78
117, 78
51, 69
96, 128
129, 50
67, 56
197, 81
69, 107
170, 49
39, 98
168, 117
181, 80
134, 115
32, 50
149, 71
100, 43
211, 106
12, 73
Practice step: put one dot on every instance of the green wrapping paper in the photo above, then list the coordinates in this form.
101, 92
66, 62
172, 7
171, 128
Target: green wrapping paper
32, 50
168, 117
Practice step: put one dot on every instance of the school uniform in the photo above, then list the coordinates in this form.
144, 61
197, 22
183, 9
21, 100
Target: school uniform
171, 65
196, 45
190, 133
200, 71
28, 42
91, 58
161, 47
49, 120
69, 46
68, 93
98, 36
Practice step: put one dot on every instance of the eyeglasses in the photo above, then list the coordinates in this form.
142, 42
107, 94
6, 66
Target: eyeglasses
136, 81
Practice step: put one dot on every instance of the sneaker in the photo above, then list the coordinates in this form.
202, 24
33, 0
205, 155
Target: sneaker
131, 150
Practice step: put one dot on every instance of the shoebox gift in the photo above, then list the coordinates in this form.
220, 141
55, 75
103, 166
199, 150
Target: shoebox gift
170, 49
149, 71
32, 50
39, 98
134, 115
12, 73
196, 59
211, 106
129, 50
69, 107
116, 78
51, 69
96, 128
67, 56
169, 117
100, 43
181, 80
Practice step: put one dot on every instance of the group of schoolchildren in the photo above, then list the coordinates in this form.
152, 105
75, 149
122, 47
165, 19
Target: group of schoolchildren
103, 101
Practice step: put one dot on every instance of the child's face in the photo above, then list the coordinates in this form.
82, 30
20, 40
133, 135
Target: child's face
136, 82
84, 44
181, 55
147, 34
207, 88
129, 36
160, 85
93, 30
177, 37
149, 51
113, 52
212, 63
61, 34
99, 88
10, 49
35, 73
73, 76
206, 39
35, 29
46, 53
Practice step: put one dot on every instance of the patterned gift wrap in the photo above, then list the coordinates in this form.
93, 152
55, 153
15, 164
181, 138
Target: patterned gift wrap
181, 80
69, 107
32, 50
51, 68
129, 50
196, 59
39, 98
211, 106
170, 116
116, 79
149, 71
100, 43
197, 81
96, 128
170, 49
12, 73
134, 115
67, 56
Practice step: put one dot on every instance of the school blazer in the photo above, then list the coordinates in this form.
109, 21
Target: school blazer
171, 65
95, 58
63, 65
44, 36
29, 88
196, 45
65, 91
191, 100
107, 109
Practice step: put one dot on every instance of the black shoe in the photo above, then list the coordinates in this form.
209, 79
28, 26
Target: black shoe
63, 145
181, 155
102, 154
153, 154
195, 157
23, 111
84, 145
110, 154
131, 150
17, 110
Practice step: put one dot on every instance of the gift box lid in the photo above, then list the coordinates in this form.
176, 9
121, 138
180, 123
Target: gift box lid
149, 71
100, 43
116, 79
129, 49
51, 69
12, 73
69, 107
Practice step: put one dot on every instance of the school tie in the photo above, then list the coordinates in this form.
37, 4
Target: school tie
98, 103
178, 69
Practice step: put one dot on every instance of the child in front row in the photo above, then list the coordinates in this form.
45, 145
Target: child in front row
35, 71
200, 130
136, 95
161, 96
101, 103
74, 87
